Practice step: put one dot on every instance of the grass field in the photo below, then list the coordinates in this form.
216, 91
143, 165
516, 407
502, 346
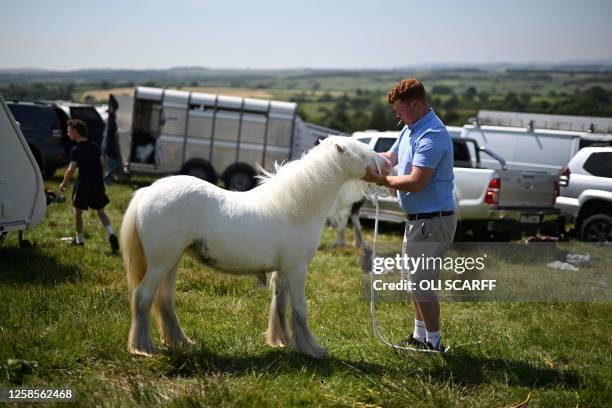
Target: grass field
65, 320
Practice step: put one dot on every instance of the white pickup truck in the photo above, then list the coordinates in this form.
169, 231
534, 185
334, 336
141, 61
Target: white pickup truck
499, 204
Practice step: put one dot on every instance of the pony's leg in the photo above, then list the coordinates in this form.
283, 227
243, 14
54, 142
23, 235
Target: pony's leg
357, 230
278, 332
140, 341
168, 325
340, 241
303, 340
260, 281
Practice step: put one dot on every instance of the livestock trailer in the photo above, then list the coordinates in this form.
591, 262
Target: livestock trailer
165, 131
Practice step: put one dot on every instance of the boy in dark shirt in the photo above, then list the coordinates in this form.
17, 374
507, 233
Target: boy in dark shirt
89, 189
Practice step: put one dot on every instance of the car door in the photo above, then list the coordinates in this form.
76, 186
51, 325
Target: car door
91, 117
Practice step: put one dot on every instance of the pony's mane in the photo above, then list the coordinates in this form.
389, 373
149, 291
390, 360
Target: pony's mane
284, 167
284, 189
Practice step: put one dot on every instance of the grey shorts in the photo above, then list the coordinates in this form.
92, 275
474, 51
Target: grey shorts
426, 239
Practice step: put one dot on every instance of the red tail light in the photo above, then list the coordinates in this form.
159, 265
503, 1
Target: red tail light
564, 176
492, 196
556, 192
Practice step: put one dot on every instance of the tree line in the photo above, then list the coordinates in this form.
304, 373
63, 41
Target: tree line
368, 109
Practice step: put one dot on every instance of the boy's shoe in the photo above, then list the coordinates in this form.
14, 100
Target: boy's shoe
74, 242
413, 342
438, 347
114, 243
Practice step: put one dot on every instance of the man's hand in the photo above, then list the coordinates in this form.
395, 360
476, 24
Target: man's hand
68, 175
371, 175
387, 167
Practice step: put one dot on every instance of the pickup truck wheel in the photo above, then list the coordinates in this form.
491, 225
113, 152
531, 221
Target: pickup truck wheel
240, 180
597, 228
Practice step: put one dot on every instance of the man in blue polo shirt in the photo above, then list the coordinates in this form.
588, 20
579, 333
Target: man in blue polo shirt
424, 184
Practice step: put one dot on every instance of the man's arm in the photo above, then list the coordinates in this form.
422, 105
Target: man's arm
426, 157
413, 182
68, 175
391, 156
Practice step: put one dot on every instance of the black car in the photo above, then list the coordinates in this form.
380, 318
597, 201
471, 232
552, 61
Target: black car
40, 124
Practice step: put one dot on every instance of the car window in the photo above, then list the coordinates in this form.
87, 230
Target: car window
595, 143
384, 144
28, 116
51, 119
87, 114
461, 154
599, 164
365, 140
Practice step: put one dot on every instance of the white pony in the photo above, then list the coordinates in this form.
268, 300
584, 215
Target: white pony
274, 227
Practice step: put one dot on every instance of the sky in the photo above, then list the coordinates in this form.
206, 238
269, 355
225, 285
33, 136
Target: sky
133, 34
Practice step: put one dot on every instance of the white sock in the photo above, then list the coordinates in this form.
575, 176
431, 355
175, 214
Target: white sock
109, 229
433, 338
419, 330
80, 239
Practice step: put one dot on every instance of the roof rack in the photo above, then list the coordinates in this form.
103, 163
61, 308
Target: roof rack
544, 121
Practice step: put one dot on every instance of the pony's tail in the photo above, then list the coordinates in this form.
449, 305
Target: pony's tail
131, 247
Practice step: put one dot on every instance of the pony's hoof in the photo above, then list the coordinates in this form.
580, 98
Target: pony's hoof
276, 343
183, 343
187, 343
144, 351
320, 353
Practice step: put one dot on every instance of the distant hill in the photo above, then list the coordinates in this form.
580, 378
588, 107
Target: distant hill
239, 77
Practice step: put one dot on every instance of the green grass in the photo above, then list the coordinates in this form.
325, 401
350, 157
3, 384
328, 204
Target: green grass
65, 320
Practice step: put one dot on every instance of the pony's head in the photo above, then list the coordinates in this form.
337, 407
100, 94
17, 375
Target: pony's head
353, 156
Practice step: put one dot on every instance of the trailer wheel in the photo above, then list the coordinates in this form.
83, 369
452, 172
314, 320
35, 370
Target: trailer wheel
597, 228
240, 179
201, 170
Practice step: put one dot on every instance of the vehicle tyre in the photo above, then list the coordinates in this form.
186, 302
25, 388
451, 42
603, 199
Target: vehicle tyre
201, 171
240, 180
597, 228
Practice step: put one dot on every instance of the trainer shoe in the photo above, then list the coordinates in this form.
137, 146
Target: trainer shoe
413, 342
114, 243
438, 347
74, 242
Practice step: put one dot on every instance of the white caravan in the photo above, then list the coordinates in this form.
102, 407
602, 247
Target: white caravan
22, 193
163, 131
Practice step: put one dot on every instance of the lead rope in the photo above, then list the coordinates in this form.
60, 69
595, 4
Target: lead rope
383, 192
374, 198
372, 291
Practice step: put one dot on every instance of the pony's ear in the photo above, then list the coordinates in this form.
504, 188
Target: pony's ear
339, 148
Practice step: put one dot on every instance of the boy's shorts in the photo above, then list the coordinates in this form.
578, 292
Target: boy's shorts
86, 196
428, 238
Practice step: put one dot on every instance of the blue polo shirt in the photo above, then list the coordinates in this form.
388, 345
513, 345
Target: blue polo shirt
426, 143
